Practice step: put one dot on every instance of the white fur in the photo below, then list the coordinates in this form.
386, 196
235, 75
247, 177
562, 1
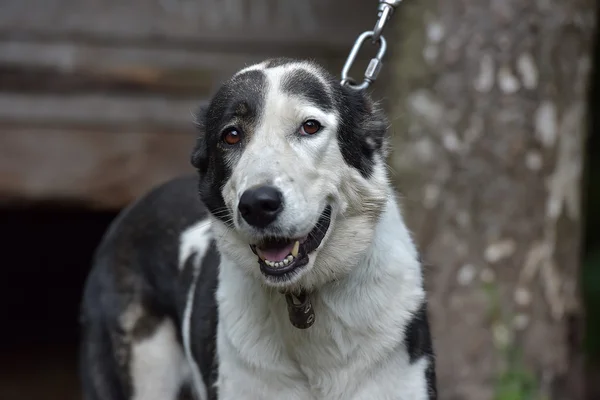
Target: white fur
158, 365
195, 241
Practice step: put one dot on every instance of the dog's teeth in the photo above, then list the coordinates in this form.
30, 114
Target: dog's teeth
261, 257
276, 264
286, 261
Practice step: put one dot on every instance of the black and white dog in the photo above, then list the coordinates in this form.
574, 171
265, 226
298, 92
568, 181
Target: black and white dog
293, 278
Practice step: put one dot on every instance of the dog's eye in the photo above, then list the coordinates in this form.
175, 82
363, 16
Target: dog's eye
310, 127
231, 136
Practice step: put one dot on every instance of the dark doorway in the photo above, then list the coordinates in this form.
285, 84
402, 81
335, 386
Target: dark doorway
46, 254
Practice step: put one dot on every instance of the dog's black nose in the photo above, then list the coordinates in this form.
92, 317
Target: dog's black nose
260, 205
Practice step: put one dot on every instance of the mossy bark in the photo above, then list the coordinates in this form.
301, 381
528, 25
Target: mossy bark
489, 112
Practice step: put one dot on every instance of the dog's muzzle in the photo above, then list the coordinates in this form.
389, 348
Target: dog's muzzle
278, 257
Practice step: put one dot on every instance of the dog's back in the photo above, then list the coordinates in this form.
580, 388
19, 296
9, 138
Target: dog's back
136, 297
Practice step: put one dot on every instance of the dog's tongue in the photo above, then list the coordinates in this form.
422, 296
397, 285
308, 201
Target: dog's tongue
275, 253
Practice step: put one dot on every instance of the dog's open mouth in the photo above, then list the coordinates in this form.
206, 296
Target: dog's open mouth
280, 256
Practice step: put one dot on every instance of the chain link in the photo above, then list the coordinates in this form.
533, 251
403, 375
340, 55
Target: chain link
386, 9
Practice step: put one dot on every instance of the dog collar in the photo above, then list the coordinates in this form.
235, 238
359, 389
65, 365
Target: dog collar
300, 310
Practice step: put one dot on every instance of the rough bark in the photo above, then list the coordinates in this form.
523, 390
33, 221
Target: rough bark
489, 104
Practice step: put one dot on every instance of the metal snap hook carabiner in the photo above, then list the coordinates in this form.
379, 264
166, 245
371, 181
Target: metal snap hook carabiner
374, 67
386, 9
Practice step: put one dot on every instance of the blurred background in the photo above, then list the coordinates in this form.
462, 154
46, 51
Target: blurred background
493, 109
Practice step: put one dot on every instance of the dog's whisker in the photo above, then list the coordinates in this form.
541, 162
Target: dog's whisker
222, 214
221, 210
200, 226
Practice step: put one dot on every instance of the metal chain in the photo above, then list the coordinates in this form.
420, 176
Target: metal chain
386, 9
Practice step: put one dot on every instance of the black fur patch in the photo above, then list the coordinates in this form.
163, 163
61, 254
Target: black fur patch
186, 393
418, 344
203, 321
362, 131
239, 103
102, 371
304, 84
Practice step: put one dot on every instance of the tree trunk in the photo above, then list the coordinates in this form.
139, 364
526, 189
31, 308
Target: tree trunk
489, 103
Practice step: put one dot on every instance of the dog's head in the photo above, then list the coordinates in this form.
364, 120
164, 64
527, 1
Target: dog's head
292, 168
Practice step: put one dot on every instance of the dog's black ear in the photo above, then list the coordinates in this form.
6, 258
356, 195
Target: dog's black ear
374, 126
199, 158
363, 130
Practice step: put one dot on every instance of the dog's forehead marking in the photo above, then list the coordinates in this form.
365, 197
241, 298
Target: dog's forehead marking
304, 83
239, 101
293, 92
298, 78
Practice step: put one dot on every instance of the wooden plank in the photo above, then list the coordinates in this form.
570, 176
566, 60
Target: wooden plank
99, 169
33, 79
105, 111
247, 21
69, 54
68, 66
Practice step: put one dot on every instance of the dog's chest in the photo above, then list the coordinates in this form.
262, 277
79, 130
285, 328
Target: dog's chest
344, 342
333, 359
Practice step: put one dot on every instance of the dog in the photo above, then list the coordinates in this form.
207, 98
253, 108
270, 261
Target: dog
283, 269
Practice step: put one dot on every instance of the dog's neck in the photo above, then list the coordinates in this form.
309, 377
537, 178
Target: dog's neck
390, 257
389, 272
